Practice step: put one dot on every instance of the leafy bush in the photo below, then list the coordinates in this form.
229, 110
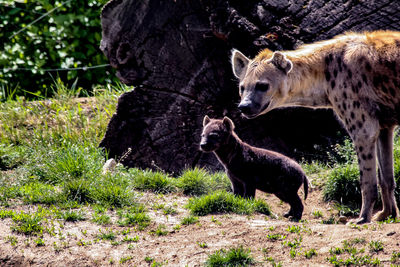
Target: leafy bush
343, 186
224, 202
48, 34
343, 153
233, 257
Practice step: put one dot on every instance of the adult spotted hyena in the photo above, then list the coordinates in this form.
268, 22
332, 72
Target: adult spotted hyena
355, 74
250, 168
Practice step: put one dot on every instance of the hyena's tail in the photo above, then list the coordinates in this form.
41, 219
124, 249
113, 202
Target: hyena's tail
305, 184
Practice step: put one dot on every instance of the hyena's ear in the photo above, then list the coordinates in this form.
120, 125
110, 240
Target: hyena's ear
281, 62
228, 124
206, 120
239, 63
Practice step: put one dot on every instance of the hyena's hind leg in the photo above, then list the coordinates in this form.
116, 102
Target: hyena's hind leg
386, 176
366, 153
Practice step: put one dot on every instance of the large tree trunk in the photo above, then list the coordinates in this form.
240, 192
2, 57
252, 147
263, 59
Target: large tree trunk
176, 53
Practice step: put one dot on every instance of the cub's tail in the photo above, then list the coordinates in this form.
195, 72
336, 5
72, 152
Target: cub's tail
305, 183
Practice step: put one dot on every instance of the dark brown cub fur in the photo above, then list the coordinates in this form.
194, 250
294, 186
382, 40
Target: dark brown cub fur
250, 168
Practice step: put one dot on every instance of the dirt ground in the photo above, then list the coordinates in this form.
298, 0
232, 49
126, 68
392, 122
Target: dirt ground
77, 243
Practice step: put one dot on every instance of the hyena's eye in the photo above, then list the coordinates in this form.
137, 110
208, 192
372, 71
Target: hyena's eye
262, 87
241, 88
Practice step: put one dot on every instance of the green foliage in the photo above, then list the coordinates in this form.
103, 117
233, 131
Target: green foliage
395, 258
67, 37
189, 220
396, 156
38, 192
11, 156
197, 182
233, 257
376, 245
72, 216
310, 253
68, 163
344, 153
224, 202
39, 242
113, 191
28, 224
101, 219
109, 235
135, 216
343, 186
160, 231
194, 182
154, 181
275, 237
355, 255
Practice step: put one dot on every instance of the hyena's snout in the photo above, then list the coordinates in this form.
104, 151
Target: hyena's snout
245, 107
204, 145
248, 108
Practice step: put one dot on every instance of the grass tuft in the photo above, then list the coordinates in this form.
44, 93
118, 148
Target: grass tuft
154, 181
194, 182
233, 257
343, 186
224, 202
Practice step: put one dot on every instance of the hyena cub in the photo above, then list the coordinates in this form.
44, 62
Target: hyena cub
250, 168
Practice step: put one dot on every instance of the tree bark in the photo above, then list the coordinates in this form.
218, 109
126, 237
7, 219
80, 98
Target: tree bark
177, 55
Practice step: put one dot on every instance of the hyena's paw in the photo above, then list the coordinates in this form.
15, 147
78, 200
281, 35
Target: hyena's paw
383, 215
360, 220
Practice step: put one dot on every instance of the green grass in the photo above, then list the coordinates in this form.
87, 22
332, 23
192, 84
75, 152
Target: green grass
224, 202
160, 230
189, 220
194, 182
154, 181
343, 186
28, 224
109, 235
134, 216
232, 257
73, 216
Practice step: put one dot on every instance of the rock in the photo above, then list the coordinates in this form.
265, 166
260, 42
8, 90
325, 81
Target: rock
109, 166
179, 62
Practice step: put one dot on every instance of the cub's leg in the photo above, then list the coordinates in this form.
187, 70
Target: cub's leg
249, 190
294, 201
386, 176
237, 186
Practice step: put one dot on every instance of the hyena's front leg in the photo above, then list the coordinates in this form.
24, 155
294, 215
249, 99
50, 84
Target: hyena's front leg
386, 176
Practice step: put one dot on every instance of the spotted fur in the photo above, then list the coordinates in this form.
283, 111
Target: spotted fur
355, 74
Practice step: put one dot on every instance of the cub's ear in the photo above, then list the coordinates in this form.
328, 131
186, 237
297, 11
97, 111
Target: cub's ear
239, 63
281, 62
228, 123
206, 120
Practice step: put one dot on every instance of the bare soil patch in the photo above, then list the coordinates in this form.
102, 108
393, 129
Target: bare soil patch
78, 243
